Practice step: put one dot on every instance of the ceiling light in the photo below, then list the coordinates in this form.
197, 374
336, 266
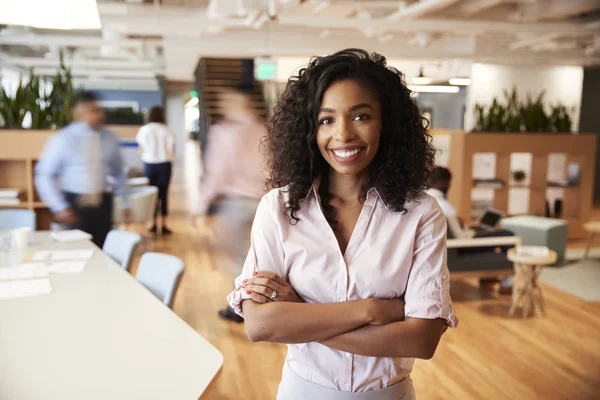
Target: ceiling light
421, 79
57, 14
460, 81
433, 89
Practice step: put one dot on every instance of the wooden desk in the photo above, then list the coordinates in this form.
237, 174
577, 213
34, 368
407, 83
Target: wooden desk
99, 335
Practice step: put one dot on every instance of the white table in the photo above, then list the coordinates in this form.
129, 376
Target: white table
99, 335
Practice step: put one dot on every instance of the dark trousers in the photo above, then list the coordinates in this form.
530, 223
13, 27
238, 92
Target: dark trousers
159, 175
97, 221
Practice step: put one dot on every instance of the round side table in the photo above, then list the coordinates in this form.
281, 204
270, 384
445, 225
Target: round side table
592, 228
530, 268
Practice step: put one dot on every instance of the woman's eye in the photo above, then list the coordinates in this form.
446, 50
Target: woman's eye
361, 117
325, 121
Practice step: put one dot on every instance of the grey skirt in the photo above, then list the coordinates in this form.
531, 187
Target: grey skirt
293, 387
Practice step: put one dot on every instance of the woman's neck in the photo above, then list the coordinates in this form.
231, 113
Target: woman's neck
346, 188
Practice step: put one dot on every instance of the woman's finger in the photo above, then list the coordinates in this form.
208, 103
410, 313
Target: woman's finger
270, 275
257, 297
262, 290
271, 284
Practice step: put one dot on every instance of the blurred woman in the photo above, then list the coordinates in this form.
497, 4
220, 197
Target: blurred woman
157, 146
348, 258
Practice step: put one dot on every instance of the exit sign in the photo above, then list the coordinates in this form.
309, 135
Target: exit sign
265, 70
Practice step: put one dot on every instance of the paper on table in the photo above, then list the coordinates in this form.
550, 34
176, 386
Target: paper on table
70, 236
66, 267
23, 271
63, 255
24, 288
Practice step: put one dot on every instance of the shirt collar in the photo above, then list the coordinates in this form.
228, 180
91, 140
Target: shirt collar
371, 193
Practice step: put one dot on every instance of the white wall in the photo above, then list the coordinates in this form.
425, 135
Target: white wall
10, 79
175, 113
562, 84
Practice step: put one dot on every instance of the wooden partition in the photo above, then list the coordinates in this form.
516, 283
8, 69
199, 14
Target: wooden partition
578, 148
19, 152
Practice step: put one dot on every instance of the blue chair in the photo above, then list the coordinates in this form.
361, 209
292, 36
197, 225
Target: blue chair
121, 246
160, 274
16, 218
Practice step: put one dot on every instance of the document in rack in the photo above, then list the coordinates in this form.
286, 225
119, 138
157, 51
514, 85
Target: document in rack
24, 288
62, 255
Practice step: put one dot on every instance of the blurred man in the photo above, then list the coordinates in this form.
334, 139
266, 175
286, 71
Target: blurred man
440, 184
71, 175
234, 174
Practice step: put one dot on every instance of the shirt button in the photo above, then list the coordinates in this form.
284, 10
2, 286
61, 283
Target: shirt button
348, 354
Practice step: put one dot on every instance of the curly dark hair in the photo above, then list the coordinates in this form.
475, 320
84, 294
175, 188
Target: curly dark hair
404, 161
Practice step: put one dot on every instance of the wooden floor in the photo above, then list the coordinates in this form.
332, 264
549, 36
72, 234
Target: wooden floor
489, 356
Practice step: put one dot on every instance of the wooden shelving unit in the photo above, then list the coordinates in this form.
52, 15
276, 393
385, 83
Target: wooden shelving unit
577, 148
19, 151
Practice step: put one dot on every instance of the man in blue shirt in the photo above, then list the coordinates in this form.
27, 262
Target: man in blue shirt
71, 175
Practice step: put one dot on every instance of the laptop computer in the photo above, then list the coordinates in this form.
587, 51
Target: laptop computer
488, 220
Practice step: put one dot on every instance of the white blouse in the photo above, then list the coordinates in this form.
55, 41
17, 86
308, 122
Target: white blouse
389, 255
157, 143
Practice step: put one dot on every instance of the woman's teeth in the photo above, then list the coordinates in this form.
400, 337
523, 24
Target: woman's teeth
346, 153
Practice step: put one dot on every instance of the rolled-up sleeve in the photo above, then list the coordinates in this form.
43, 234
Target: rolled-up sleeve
428, 289
266, 249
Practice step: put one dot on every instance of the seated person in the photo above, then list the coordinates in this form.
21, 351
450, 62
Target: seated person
439, 185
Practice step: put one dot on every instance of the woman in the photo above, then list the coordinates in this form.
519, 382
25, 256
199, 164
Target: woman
347, 258
157, 146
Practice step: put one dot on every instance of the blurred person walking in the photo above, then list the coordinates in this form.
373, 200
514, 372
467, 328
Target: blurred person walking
71, 175
157, 146
234, 175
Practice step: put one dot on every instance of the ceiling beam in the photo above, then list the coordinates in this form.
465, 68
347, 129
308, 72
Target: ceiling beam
97, 74
471, 7
533, 41
36, 62
75, 41
437, 25
555, 9
420, 9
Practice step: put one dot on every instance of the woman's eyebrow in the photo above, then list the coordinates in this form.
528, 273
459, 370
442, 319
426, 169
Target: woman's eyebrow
353, 108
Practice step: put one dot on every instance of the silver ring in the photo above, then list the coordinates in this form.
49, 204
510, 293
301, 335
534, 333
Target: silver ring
273, 295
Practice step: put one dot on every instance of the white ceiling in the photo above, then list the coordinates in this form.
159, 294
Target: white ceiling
143, 38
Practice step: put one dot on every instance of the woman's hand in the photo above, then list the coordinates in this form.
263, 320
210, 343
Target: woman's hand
267, 286
383, 312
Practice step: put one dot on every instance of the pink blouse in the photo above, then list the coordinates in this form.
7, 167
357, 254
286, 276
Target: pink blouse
389, 255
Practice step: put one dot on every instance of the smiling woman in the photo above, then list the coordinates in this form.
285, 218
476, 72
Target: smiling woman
347, 261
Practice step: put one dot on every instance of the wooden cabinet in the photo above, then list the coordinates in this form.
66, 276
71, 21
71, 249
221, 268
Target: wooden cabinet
577, 199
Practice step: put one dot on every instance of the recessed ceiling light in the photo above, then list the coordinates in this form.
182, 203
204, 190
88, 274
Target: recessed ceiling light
433, 89
421, 79
57, 14
460, 81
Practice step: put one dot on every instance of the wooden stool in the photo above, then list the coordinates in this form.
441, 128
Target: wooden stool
592, 228
530, 268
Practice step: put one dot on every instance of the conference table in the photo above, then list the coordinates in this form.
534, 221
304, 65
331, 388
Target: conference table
99, 335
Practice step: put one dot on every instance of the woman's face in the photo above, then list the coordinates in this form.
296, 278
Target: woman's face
349, 127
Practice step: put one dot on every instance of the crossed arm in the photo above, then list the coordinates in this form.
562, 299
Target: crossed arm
369, 327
